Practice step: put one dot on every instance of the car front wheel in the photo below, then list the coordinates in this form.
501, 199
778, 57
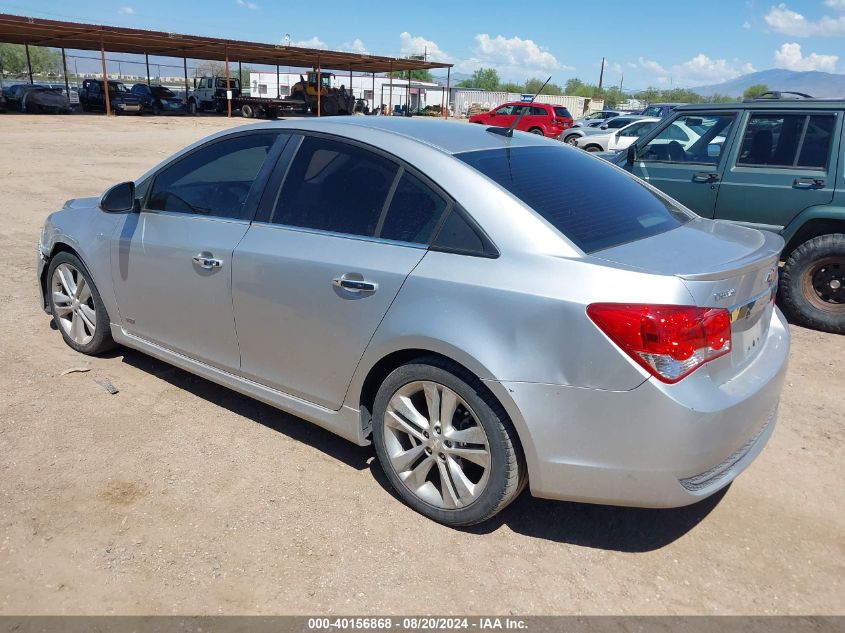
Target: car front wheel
572, 139
446, 446
77, 308
812, 284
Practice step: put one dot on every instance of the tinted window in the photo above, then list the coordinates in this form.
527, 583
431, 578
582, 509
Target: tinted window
458, 236
637, 129
591, 203
413, 212
333, 186
538, 111
617, 122
562, 112
652, 111
214, 180
691, 138
786, 140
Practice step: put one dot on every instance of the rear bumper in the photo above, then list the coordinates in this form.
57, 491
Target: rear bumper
654, 446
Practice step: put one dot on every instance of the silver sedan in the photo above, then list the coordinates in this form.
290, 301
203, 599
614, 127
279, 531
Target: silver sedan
492, 312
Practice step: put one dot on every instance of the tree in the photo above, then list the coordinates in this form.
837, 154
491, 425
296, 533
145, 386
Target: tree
573, 86
416, 75
44, 60
752, 92
532, 86
482, 79
511, 86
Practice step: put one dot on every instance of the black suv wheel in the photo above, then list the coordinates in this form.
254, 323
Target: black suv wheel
812, 284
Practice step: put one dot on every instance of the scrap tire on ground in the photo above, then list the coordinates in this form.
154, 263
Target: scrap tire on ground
811, 284
247, 111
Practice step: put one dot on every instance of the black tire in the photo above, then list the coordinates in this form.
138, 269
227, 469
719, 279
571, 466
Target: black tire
812, 284
102, 340
593, 148
328, 107
192, 107
156, 108
572, 139
247, 111
536, 130
508, 473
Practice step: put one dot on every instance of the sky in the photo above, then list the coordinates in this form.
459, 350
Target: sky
661, 43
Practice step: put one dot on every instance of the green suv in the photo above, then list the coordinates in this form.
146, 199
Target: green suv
774, 163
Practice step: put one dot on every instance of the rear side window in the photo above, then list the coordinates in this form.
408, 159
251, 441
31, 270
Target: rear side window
337, 187
591, 203
413, 213
538, 111
562, 112
787, 140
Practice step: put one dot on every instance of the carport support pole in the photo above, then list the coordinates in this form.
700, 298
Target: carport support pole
319, 85
241, 77
448, 81
64, 71
29, 64
278, 84
105, 78
390, 96
373, 104
408, 101
147, 62
228, 88
185, 67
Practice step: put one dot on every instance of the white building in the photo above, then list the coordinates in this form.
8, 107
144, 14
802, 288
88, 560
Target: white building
373, 90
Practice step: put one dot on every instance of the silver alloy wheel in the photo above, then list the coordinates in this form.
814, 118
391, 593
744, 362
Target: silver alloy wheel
74, 304
436, 445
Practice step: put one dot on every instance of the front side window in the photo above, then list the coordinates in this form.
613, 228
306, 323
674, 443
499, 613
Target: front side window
690, 138
505, 110
614, 209
214, 180
636, 130
787, 140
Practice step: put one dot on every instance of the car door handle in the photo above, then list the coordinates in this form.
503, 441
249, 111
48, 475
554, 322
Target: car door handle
705, 176
808, 183
204, 261
357, 285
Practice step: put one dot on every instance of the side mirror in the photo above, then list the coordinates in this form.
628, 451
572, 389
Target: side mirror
119, 199
492, 113
632, 154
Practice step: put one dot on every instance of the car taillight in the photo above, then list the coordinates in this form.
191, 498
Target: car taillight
670, 342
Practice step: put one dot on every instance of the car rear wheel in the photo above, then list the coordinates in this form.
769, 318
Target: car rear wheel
77, 308
444, 443
593, 148
536, 130
812, 284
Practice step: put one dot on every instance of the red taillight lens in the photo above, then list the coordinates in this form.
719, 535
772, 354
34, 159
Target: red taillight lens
671, 342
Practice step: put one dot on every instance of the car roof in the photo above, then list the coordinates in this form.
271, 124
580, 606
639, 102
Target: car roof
767, 104
451, 137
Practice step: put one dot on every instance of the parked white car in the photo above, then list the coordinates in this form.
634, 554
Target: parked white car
617, 140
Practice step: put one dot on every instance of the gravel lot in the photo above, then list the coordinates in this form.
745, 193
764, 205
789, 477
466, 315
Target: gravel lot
178, 496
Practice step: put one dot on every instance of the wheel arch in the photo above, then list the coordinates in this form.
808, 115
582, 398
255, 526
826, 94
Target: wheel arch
363, 390
58, 247
810, 223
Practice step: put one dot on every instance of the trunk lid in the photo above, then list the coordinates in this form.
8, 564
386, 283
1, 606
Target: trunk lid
722, 265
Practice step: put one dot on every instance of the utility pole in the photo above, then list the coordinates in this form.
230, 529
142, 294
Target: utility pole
621, 79
601, 74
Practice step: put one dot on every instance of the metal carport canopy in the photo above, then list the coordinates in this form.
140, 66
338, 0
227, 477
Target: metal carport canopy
16, 29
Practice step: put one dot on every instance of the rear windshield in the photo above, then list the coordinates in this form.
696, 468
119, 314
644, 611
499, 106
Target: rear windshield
586, 199
562, 112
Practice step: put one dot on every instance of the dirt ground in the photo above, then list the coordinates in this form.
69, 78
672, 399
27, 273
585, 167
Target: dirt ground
177, 496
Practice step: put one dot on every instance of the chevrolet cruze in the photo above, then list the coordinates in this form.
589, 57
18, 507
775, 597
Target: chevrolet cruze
491, 311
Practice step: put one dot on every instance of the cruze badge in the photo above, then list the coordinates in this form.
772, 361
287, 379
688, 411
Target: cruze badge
724, 294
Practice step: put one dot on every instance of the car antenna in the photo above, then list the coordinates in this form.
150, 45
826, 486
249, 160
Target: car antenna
509, 131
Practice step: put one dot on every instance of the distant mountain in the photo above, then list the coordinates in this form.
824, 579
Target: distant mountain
814, 83
439, 76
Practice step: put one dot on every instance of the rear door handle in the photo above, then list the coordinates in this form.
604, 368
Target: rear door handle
204, 261
357, 285
705, 176
808, 183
